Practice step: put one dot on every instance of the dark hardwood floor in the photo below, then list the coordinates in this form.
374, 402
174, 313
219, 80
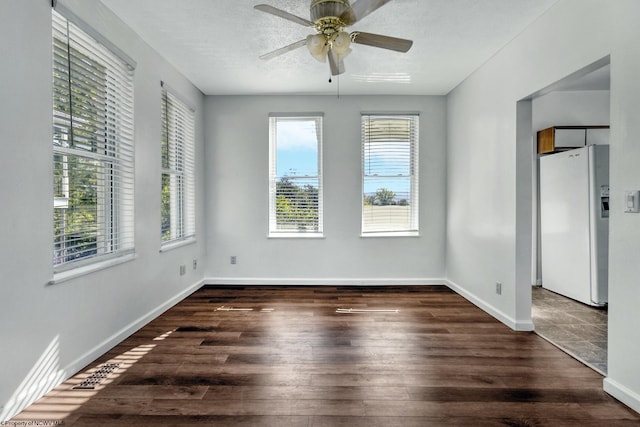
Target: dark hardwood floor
283, 356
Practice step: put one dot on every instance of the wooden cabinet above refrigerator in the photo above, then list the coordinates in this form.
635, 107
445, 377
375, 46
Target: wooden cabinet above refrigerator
560, 138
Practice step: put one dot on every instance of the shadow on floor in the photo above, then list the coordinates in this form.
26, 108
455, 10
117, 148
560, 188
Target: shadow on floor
576, 328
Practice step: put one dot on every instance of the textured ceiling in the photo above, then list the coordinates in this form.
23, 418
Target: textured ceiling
216, 44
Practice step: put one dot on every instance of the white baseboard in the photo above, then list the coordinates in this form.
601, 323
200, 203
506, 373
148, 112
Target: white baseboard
249, 281
490, 309
19, 403
622, 393
125, 332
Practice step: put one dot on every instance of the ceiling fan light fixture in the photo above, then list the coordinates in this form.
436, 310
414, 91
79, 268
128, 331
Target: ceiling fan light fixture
318, 46
340, 44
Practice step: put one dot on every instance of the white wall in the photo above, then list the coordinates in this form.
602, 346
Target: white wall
624, 229
488, 197
60, 328
571, 108
237, 196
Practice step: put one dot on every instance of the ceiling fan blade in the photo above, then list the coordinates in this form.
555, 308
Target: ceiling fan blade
360, 9
336, 65
285, 49
384, 42
283, 14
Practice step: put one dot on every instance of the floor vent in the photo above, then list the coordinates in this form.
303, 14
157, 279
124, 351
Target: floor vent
97, 377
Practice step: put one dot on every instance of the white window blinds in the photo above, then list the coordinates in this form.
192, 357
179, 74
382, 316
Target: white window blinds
178, 169
295, 178
390, 174
93, 154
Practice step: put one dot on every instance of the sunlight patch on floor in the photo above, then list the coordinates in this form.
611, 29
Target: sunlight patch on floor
64, 400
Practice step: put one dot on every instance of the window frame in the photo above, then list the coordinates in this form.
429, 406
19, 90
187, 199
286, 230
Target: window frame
413, 228
178, 166
273, 231
93, 132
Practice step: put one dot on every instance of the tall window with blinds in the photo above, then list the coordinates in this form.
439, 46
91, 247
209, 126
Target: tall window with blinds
178, 170
93, 155
390, 174
295, 178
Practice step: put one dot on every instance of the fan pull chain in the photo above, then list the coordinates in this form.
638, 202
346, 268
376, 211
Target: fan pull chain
337, 83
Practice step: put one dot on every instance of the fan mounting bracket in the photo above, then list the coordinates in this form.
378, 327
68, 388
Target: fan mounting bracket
328, 8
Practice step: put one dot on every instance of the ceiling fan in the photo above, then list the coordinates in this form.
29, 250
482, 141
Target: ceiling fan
331, 42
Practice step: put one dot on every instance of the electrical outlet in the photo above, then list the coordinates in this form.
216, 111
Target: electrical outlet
234, 259
498, 288
195, 264
183, 270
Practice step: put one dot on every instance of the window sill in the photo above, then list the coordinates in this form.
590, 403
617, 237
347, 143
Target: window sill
296, 236
84, 270
391, 234
175, 244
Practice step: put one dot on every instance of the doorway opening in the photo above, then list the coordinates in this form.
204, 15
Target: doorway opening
578, 328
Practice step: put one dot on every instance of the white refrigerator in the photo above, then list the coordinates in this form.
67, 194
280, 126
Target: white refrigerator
574, 223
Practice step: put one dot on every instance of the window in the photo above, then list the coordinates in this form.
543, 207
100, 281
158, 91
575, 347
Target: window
92, 149
295, 178
389, 174
178, 169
